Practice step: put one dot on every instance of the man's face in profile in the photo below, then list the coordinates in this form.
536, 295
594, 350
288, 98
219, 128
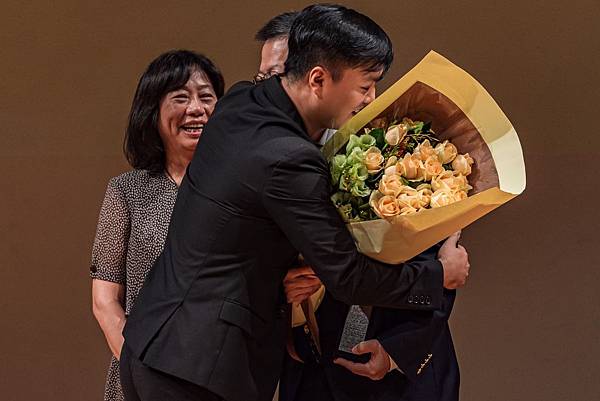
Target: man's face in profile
351, 91
273, 55
339, 99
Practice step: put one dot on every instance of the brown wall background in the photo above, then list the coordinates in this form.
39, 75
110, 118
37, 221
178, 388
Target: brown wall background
526, 327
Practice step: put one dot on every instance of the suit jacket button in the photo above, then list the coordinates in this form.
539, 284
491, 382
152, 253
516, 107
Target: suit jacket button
422, 299
428, 300
410, 299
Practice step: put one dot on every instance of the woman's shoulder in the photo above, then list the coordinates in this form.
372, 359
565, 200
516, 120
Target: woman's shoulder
131, 179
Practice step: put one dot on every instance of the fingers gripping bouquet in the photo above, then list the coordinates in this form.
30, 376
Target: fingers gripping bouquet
398, 170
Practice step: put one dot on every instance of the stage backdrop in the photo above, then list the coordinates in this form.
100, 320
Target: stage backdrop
526, 326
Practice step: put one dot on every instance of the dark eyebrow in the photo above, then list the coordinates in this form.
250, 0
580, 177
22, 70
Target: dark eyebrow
204, 87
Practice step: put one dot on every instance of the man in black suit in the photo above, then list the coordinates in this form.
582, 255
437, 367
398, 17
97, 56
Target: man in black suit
419, 341
210, 321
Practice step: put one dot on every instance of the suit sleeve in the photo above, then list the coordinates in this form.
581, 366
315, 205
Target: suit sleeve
297, 196
410, 343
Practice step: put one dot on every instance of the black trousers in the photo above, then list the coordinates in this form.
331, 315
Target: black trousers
142, 383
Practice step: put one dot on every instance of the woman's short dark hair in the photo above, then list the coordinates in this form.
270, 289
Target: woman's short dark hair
336, 37
170, 71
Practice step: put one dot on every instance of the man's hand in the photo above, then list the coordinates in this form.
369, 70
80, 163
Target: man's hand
376, 368
300, 283
455, 260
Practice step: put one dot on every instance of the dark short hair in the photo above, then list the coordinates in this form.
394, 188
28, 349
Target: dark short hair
170, 71
276, 27
336, 37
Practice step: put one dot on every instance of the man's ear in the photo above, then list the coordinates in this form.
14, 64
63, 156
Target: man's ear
316, 78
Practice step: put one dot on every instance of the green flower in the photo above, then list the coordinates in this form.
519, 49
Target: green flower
363, 142
356, 156
337, 167
353, 142
367, 141
359, 172
360, 189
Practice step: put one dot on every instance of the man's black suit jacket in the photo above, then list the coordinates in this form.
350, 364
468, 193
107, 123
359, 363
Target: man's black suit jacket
418, 341
256, 193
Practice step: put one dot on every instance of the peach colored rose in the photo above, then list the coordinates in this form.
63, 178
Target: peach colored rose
460, 195
384, 206
461, 183
373, 160
391, 185
462, 164
390, 166
391, 161
424, 150
441, 197
450, 181
446, 152
409, 197
424, 191
410, 167
395, 134
432, 167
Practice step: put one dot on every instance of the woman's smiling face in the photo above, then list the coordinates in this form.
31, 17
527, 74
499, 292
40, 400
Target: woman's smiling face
184, 112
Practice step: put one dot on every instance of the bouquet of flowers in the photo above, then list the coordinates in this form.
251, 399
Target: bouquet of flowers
398, 170
428, 157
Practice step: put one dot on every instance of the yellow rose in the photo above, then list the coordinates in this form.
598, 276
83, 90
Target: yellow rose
441, 197
410, 167
373, 160
384, 205
424, 150
396, 134
462, 164
391, 185
446, 152
432, 167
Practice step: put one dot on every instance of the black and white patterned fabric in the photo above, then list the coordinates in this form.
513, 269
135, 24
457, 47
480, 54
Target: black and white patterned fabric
132, 228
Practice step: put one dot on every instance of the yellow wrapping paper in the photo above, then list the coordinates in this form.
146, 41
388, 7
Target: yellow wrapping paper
462, 111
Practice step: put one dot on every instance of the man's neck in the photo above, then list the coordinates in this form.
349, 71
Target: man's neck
299, 96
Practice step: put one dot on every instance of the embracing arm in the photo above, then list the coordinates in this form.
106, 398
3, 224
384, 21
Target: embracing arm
297, 198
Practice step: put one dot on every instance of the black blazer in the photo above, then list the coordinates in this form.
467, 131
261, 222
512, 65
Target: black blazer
256, 193
418, 341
